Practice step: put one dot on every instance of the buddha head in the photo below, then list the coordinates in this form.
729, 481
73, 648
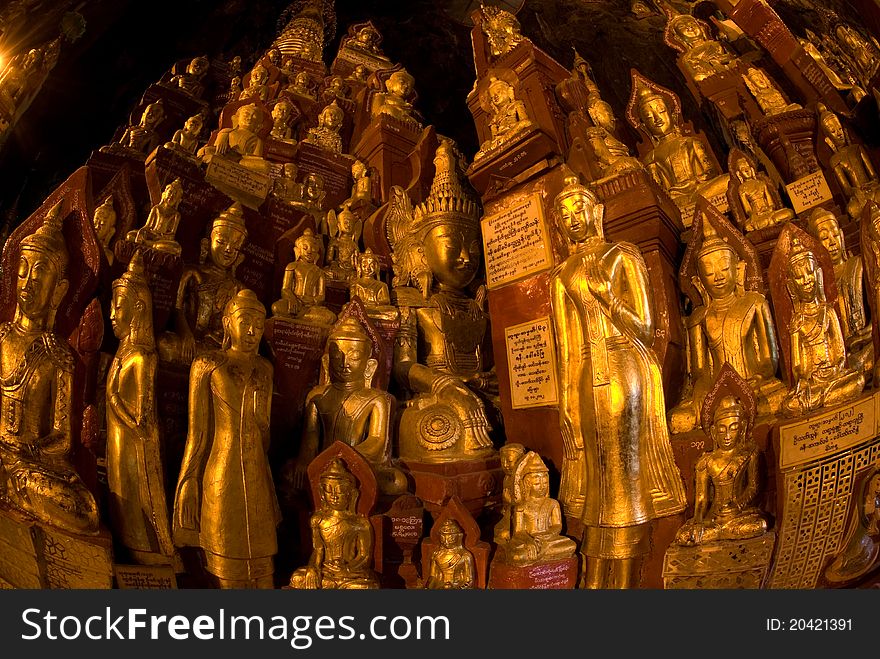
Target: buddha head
338, 487
153, 114
331, 118
744, 170
228, 233
532, 478
358, 170
335, 86
346, 222
367, 38
835, 135
359, 73
717, 268
313, 187
654, 113
601, 113
193, 126
688, 30
452, 252
822, 224
248, 117
450, 533
500, 93
274, 56
307, 247
759, 79
289, 171
348, 351
131, 309
172, 195
259, 76
243, 321
579, 211
510, 455
401, 84
42, 271
805, 279
198, 67
729, 424
368, 265
301, 82
104, 221
281, 112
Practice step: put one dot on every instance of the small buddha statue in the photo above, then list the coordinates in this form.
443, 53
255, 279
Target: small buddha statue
142, 138
726, 481
302, 291
282, 111
510, 455
729, 326
680, 164
342, 266
851, 164
848, 273
362, 189
347, 408
257, 85
508, 116
372, 291
241, 143
396, 100
302, 85
313, 194
326, 133
285, 186
452, 566
186, 140
702, 56
861, 53
769, 99
755, 195
334, 89
135, 470
342, 539
234, 88
345, 231
860, 549
818, 353
190, 81
36, 391
536, 518
204, 290
161, 227
104, 221
366, 40
359, 74
225, 501
502, 30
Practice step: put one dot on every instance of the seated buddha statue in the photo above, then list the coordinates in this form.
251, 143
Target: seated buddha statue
326, 133
702, 56
680, 164
342, 539
732, 326
285, 186
536, 518
769, 99
241, 143
755, 196
204, 290
848, 273
257, 85
726, 482
311, 199
859, 550
159, 231
281, 114
347, 408
186, 140
508, 116
190, 80
302, 291
452, 566
143, 137
36, 391
372, 291
851, 164
301, 85
104, 221
818, 353
396, 100
345, 229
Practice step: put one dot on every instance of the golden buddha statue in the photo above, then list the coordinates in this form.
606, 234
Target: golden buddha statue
536, 518
36, 391
508, 116
225, 501
366, 40
161, 227
312, 197
726, 481
372, 291
241, 143
302, 291
862, 55
342, 251
680, 164
842, 82
142, 138
510, 455
190, 81
257, 85
326, 133
334, 89
359, 74
205, 289
701, 56
302, 85
768, 97
754, 196
870, 242
439, 353
860, 548
347, 408
818, 353
285, 186
362, 188
135, 470
342, 540
186, 140
396, 100
502, 30
282, 111
452, 566
848, 273
730, 325
618, 471
851, 164
104, 221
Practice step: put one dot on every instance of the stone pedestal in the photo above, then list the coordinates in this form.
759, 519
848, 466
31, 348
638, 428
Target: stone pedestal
725, 564
404, 529
553, 575
476, 482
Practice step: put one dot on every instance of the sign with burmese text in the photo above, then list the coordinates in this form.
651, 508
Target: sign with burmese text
808, 192
531, 363
823, 435
515, 242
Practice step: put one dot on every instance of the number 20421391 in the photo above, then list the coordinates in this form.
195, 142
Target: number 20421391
809, 624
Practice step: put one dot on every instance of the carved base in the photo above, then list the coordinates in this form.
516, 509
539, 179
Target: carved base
497, 168
34, 555
553, 575
476, 482
722, 564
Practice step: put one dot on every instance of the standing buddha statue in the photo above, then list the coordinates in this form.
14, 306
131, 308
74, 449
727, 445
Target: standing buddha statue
104, 221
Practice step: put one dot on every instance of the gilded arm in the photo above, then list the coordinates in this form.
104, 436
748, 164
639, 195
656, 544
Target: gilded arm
60, 440
630, 307
766, 352
568, 341
750, 491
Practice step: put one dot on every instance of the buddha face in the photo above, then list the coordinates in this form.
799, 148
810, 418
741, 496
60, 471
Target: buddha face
834, 129
759, 79
39, 287
744, 170
727, 428
655, 116
258, 76
829, 234
172, 196
358, 170
198, 67
335, 86
314, 185
152, 115
500, 94
369, 266
336, 493
689, 30
193, 125
453, 254
348, 359
717, 272
330, 118
346, 223
226, 245
579, 216
400, 84
510, 455
104, 222
307, 249
366, 38
281, 113
249, 118
301, 81
245, 329
290, 171
537, 484
602, 115
804, 279
451, 538
121, 313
